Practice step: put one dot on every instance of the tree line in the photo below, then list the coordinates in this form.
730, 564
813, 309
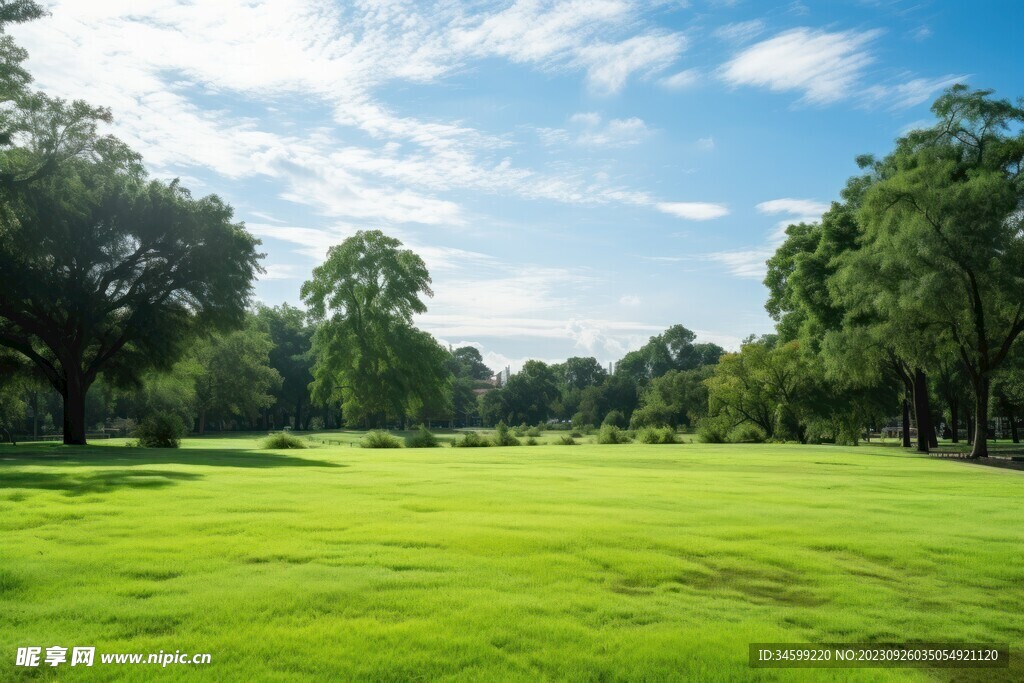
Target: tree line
123, 296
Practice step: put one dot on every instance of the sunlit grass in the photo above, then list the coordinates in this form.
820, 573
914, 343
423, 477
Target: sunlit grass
595, 562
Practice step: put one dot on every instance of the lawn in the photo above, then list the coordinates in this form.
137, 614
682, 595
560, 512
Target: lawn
550, 562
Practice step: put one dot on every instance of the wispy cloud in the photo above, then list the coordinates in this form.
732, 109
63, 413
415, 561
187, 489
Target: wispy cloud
823, 66
680, 80
750, 262
693, 211
590, 130
912, 92
739, 32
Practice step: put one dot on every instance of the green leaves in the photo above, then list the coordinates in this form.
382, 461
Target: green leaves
368, 354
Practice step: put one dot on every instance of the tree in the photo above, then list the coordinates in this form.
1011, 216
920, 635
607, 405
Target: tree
236, 379
770, 385
671, 350
943, 233
468, 363
365, 347
291, 340
579, 373
529, 394
675, 399
104, 271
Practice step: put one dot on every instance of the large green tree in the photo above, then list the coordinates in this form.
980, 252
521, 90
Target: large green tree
368, 355
103, 271
943, 235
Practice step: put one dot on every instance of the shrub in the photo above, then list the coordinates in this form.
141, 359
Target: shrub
713, 429
471, 440
531, 441
521, 429
566, 441
533, 431
576, 434
657, 435
747, 433
423, 438
282, 440
503, 437
611, 434
160, 430
614, 418
380, 439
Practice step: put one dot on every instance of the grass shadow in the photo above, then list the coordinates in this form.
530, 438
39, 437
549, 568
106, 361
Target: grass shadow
111, 456
79, 484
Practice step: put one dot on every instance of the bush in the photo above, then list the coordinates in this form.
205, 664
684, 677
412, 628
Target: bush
423, 438
160, 430
614, 418
471, 440
380, 439
747, 433
531, 441
503, 437
657, 435
533, 431
566, 441
713, 429
611, 434
282, 440
521, 429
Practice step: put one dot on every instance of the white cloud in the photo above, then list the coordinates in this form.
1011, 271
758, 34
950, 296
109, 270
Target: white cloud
744, 263
157, 63
749, 262
705, 144
610, 65
281, 271
589, 130
693, 211
804, 207
739, 32
629, 300
912, 92
824, 66
580, 34
799, 210
680, 80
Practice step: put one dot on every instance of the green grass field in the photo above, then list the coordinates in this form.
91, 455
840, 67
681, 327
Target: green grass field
551, 562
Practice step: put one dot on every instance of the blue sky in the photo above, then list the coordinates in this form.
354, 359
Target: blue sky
577, 175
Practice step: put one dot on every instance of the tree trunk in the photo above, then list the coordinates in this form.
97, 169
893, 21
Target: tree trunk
74, 392
298, 414
1013, 426
970, 428
921, 410
981, 388
954, 416
906, 421
202, 422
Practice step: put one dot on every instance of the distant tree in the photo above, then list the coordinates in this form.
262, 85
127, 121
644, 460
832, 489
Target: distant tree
236, 379
530, 393
674, 349
365, 347
677, 398
580, 373
492, 407
290, 355
468, 363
